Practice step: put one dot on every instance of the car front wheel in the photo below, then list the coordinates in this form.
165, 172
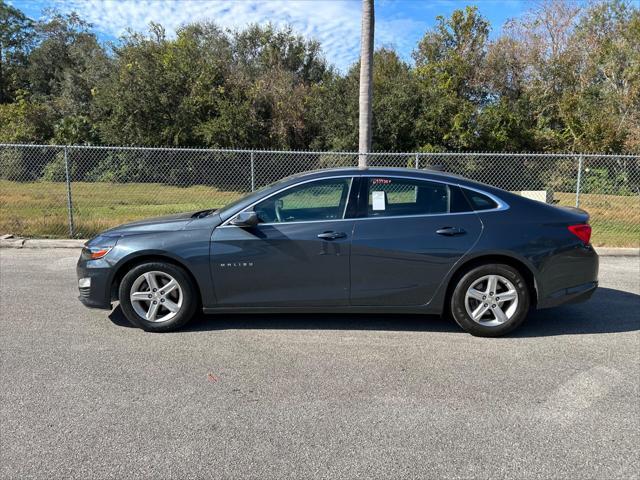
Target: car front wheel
490, 300
157, 296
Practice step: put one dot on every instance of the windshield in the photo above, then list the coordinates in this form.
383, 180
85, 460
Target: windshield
248, 199
254, 196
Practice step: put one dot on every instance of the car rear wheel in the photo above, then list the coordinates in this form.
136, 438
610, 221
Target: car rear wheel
490, 300
157, 296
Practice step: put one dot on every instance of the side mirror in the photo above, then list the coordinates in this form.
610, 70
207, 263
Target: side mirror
245, 219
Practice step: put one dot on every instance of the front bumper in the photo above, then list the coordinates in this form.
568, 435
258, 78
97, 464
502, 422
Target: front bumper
98, 295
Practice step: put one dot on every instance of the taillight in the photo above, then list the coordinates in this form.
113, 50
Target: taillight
582, 231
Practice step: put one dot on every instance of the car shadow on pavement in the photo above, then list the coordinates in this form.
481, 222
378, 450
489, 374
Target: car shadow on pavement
608, 311
309, 321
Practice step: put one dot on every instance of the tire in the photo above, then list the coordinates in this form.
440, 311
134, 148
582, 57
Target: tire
173, 308
494, 315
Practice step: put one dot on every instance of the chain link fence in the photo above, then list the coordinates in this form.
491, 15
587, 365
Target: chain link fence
78, 191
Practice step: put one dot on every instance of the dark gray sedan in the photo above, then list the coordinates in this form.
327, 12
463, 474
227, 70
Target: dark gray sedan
348, 240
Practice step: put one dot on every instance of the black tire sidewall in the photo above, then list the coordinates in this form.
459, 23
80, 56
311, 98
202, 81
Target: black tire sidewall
459, 312
189, 301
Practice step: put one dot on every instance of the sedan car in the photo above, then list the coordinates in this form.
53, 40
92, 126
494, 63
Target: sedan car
348, 240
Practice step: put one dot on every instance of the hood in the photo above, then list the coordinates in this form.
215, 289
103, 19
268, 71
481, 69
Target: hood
167, 223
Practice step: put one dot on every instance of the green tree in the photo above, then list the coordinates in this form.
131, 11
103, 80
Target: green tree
563, 76
394, 107
208, 86
567, 78
16, 37
23, 122
64, 68
506, 121
278, 70
604, 115
146, 99
449, 60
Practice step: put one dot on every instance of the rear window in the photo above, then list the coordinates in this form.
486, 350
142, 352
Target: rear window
480, 201
390, 197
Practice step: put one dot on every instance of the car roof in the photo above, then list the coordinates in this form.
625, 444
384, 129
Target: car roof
413, 172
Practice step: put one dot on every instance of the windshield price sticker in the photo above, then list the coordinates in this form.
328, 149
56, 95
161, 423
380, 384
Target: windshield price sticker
378, 200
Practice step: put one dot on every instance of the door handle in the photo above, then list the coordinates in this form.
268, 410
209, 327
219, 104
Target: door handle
331, 235
450, 231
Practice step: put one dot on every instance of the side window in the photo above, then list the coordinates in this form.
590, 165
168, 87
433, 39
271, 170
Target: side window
389, 196
312, 201
479, 201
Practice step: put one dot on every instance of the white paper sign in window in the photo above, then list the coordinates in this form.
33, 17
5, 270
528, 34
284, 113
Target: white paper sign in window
377, 198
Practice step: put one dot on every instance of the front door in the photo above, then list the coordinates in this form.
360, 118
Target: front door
298, 255
413, 234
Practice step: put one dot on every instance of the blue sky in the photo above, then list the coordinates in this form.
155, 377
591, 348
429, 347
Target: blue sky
335, 23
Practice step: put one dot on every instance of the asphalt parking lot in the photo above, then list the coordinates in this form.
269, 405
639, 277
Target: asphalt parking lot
83, 395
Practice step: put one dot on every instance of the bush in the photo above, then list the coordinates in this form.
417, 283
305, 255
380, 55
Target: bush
605, 181
25, 164
12, 165
55, 170
117, 167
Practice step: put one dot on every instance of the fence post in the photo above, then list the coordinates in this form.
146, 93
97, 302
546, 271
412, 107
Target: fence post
69, 200
253, 173
417, 161
579, 181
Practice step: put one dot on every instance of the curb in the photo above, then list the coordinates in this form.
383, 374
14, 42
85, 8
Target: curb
40, 243
618, 252
73, 243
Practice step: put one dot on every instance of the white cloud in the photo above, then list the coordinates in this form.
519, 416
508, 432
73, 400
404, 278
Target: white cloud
335, 23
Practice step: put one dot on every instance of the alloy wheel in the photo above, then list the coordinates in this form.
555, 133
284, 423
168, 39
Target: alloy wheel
491, 300
156, 296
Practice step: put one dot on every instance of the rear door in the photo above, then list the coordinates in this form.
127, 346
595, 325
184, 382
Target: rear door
412, 233
298, 255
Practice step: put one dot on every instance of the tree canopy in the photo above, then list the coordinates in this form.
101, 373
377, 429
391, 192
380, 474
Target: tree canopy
560, 78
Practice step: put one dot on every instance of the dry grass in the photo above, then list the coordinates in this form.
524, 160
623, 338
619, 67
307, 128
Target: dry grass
39, 209
615, 219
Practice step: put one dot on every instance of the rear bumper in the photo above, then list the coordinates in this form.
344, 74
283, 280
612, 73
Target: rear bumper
577, 294
568, 276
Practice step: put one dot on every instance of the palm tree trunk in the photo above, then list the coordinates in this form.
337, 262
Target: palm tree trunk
366, 81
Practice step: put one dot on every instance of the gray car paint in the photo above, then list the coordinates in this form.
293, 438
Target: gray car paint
281, 265
293, 270
403, 261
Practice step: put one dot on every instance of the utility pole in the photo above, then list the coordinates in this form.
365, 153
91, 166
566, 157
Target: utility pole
366, 82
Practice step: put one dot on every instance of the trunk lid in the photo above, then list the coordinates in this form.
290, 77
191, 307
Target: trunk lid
580, 215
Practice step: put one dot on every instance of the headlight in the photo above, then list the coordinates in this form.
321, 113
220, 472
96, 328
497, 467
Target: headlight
94, 253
